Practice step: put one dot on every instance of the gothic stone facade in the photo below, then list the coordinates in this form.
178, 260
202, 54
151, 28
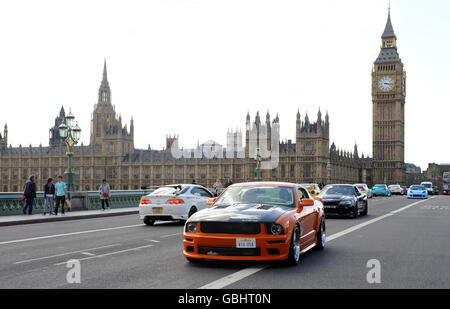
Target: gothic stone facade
112, 155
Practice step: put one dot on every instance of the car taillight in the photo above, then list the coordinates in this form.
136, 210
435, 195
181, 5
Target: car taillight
176, 201
145, 202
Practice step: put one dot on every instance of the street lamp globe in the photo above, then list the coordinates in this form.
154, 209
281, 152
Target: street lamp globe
70, 119
76, 132
63, 131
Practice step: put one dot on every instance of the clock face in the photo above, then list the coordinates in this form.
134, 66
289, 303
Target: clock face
386, 84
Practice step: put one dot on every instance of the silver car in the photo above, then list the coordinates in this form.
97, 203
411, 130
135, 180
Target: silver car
364, 189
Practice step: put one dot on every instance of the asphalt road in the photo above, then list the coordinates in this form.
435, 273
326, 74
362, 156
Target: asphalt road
409, 238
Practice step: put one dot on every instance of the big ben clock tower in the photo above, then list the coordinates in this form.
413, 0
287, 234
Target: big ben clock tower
388, 97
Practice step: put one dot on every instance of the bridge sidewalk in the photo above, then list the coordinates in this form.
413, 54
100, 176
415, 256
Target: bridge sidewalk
74, 215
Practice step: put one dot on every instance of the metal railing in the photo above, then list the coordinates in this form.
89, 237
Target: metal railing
11, 204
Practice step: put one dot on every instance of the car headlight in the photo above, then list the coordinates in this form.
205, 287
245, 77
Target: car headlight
346, 203
274, 229
191, 227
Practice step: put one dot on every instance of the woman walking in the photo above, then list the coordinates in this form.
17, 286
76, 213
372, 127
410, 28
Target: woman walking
104, 192
218, 187
49, 194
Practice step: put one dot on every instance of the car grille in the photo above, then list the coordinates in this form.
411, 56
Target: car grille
229, 251
244, 228
331, 203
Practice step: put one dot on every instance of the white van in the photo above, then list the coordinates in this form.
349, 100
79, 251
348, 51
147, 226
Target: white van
429, 186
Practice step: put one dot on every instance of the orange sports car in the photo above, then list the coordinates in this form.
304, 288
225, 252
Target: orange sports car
260, 221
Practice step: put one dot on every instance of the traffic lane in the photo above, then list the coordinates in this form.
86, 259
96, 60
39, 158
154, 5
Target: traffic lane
412, 247
378, 206
25, 256
50, 228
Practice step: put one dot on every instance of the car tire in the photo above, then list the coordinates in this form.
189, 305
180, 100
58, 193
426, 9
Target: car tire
149, 221
321, 235
194, 261
192, 211
366, 210
294, 248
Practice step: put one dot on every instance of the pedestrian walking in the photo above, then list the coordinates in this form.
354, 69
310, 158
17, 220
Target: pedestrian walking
104, 192
49, 195
61, 190
218, 187
30, 195
228, 183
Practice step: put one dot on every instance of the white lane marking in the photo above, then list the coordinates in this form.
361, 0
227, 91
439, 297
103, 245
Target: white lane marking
230, 279
234, 277
88, 253
108, 254
165, 236
69, 234
67, 253
152, 240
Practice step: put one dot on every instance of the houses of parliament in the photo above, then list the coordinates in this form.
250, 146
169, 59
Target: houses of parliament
111, 153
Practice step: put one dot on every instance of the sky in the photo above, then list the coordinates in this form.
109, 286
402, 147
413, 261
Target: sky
196, 67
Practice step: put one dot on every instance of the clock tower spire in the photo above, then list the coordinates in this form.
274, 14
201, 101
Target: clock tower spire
388, 98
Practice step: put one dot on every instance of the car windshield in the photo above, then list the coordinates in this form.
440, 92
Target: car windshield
380, 186
338, 190
418, 188
278, 196
169, 190
426, 185
394, 187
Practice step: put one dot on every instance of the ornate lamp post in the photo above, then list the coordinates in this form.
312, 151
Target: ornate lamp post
70, 133
258, 160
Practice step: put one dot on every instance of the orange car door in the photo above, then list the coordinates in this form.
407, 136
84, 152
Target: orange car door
309, 215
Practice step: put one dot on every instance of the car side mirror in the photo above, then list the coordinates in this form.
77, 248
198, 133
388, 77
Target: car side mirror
306, 202
211, 201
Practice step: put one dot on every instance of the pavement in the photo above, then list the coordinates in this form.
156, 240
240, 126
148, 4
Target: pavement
409, 238
69, 215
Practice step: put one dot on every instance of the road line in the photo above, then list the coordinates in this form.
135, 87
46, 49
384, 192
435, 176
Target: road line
67, 253
88, 253
165, 236
152, 240
108, 254
237, 276
69, 234
230, 279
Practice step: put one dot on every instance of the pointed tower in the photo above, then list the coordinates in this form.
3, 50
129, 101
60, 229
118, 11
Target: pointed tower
106, 126
4, 139
388, 98
54, 139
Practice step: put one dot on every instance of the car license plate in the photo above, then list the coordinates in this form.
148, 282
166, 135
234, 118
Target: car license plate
246, 243
157, 211
330, 207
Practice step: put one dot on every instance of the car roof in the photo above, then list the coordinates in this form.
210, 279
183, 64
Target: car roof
265, 183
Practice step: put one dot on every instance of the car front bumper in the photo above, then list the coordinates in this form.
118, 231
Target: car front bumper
223, 247
417, 196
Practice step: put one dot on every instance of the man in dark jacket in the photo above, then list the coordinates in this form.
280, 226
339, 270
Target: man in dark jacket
30, 194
